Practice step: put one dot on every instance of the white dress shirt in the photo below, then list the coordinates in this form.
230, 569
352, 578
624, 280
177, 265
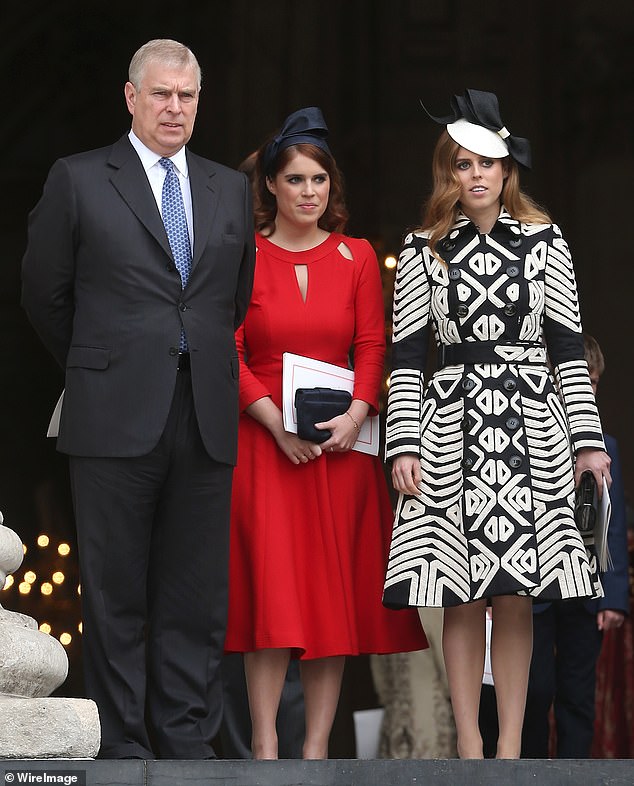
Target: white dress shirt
156, 175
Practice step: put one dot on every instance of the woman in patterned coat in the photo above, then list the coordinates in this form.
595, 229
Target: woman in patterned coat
487, 452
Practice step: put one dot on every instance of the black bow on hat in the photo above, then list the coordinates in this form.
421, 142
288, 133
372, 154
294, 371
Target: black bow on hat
304, 125
481, 108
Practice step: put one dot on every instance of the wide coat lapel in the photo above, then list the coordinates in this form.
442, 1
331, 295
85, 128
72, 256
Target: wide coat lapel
204, 187
129, 179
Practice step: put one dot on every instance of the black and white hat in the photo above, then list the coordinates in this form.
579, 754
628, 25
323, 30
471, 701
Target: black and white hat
476, 125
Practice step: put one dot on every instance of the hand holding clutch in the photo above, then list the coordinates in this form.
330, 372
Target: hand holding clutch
586, 503
316, 405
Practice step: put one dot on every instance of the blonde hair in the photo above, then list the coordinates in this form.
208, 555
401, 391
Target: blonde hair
441, 209
165, 51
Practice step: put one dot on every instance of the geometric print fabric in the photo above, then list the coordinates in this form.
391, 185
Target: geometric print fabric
494, 513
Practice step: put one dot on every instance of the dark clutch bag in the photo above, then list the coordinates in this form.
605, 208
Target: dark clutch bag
316, 405
586, 503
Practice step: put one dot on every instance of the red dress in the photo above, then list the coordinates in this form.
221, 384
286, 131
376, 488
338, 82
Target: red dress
309, 542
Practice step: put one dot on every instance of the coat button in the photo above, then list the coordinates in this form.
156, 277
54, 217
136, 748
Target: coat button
468, 383
448, 245
454, 273
182, 307
515, 462
516, 242
512, 424
510, 309
509, 384
462, 310
466, 423
467, 463
512, 271
173, 351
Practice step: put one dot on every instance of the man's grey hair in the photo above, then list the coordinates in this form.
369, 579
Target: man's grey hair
165, 51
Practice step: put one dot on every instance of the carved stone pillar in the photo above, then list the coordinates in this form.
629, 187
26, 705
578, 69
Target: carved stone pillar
32, 665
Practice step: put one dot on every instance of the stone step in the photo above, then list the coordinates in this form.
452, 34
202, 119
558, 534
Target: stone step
335, 772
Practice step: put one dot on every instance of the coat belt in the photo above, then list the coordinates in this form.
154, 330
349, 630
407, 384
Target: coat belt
491, 352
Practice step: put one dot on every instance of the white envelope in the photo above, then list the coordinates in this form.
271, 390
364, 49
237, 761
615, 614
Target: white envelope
601, 529
53, 425
302, 372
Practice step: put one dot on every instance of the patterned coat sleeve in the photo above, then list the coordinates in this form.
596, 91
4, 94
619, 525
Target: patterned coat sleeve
410, 338
564, 341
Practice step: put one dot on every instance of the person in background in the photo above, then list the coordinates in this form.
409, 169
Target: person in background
310, 522
412, 688
567, 635
482, 453
138, 271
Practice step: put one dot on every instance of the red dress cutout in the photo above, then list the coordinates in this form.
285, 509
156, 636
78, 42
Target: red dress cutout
309, 542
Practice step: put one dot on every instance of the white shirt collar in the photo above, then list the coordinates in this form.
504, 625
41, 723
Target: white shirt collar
149, 158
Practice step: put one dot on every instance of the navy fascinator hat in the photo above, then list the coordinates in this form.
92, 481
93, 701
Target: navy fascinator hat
304, 125
475, 124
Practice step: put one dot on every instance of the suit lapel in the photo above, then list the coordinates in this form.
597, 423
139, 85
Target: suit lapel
204, 202
131, 182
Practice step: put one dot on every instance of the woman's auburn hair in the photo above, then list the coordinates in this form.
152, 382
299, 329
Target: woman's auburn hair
335, 216
441, 209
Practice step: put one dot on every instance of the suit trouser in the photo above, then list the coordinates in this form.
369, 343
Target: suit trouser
153, 536
566, 646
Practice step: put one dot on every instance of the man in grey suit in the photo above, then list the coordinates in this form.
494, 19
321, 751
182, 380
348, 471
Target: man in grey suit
142, 319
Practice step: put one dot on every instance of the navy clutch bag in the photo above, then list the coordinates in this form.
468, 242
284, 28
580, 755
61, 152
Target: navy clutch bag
316, 405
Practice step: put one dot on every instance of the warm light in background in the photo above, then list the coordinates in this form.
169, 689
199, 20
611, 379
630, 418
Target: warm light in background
80, 627
390, 262
46, 585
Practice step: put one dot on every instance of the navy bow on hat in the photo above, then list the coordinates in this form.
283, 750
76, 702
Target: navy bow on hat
305, 125
481, 108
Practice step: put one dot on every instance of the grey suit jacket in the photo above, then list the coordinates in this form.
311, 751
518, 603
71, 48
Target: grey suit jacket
100, 287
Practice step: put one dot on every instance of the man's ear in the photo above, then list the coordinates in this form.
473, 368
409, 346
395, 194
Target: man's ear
130, 96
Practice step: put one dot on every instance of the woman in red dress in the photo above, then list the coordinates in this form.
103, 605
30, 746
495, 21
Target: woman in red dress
310, 522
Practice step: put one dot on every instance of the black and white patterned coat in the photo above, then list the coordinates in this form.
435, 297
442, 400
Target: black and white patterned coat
496, 440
